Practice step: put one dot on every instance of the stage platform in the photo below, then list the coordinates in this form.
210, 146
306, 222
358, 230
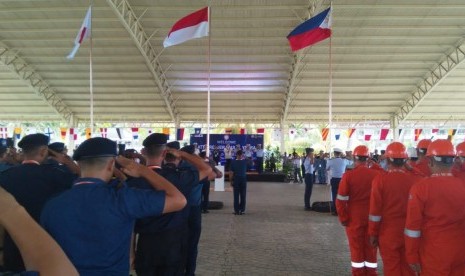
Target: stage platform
264, 177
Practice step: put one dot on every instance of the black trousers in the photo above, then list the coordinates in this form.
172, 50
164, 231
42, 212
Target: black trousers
240, 192
162, 253
309, 179
227, 165
259, 164
205, 195
195, 228
334, 187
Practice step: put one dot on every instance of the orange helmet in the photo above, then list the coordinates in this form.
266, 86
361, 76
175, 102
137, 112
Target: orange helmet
441, 147
460, 148
423, 144
396, 150
361, 151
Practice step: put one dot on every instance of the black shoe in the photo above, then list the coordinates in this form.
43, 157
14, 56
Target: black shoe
241, 213
205, 211
334, 213
236, 213
308, 208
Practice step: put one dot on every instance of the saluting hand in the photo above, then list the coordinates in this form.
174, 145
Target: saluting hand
175, 152
130, 167
59, 157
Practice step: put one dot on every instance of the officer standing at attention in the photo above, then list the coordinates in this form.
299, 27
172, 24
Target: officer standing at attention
259, 153
308, 177
353, 203
238, 178
336, 167
162, 244
32, 184
435, 224
388, 210
93, 222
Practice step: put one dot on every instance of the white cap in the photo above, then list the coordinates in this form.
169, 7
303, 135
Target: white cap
337, 150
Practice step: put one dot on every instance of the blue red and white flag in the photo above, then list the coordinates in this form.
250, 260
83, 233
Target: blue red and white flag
194, 25
311, 31
83, 33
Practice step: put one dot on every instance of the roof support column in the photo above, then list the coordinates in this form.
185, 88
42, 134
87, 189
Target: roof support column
394, 126
283, 130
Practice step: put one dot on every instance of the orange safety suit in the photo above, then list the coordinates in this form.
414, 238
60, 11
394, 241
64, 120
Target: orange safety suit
352, 204
435, 225
388, 210
422, 165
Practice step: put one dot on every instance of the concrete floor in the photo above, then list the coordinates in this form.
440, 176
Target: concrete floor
275, 236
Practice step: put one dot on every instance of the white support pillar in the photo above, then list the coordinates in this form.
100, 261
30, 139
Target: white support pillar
283, 131
394, 126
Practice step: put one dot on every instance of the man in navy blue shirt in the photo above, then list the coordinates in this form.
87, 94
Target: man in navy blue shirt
32, 184
162, 244
93, 222
238, 178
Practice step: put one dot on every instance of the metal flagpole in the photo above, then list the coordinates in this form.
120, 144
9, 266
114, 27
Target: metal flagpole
208, 83
330, 101
91, 82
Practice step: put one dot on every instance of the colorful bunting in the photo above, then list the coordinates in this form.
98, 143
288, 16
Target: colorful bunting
418, 132
166, 131
243, 131
260, 131
367, 137
63, 131
4, 132
88, 133
197, 130
451, 133
118, 131
228, 130
135, 133
72, 134
17, 132
324, 133
180, 134
350, 132
383, 134
103, 132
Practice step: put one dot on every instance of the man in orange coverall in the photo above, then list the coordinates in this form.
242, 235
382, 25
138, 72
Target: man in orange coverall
352, 204
388, 209
435, 225
422, 163
458, 170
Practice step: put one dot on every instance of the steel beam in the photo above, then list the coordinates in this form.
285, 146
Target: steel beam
443, 69
34, 80
131, 23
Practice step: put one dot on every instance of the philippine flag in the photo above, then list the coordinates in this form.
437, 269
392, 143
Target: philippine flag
311, 31
83, 33
192, 26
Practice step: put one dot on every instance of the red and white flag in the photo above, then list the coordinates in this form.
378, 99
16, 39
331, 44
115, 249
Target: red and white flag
72, 134
83, 33
192, 26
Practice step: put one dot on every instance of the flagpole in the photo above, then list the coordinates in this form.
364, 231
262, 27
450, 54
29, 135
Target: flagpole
208, 83
330, 101
91, 81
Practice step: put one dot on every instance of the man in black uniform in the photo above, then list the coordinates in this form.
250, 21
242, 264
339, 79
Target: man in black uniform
32, 184
162, 245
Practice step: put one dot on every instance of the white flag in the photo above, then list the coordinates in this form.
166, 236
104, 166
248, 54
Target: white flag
83, 33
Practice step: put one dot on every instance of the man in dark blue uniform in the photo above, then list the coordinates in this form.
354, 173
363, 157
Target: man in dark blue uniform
238, 178
162, 244
93, 222
32, 184
57, 151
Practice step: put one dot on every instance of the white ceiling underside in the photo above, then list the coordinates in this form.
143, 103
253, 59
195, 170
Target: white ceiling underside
382, 51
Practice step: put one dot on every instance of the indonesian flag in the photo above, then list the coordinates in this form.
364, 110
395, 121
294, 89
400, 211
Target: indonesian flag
83, 33
194, 25
312, 31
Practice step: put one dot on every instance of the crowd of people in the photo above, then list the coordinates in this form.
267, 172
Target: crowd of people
103, 213
412, 209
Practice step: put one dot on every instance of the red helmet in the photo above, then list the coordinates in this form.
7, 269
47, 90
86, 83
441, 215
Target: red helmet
396, 150
423, 144
441, 147
361, 151
460, 148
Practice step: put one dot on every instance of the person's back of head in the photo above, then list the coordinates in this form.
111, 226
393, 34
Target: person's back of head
95, 157
442, 154
154, 147
35, 147
239, 154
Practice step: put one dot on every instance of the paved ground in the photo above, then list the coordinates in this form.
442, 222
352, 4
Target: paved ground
275, 236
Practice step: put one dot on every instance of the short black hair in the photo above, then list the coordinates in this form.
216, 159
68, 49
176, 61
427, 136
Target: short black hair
397, 162
154, 150
239, 152
94, 163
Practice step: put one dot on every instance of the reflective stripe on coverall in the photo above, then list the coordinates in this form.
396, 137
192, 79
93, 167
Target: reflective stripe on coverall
388, 209
353, 203
435, 225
